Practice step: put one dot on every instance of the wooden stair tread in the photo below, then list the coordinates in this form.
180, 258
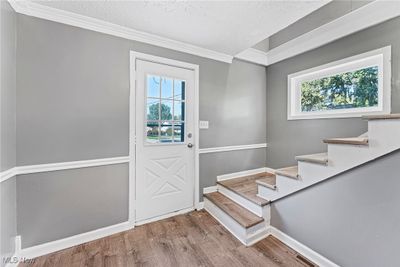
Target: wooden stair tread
348, 141
291, 172
241, 215
382, 117
319, 158
269, 182
246, 186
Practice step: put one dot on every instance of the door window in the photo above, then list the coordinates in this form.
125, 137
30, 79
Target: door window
165, 116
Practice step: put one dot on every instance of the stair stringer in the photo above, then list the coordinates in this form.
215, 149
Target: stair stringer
384, 138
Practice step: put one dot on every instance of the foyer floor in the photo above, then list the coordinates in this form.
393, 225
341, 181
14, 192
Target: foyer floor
193, 239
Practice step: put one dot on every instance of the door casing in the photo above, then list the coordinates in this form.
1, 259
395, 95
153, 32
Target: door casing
132, 130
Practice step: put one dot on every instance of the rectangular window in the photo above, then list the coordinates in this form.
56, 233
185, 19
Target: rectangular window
165, 118
352, 87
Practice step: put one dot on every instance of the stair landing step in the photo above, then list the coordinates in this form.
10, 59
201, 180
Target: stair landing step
363, 141
382, 117
291, 172
320, 158
246, 186
269, 182
241, 215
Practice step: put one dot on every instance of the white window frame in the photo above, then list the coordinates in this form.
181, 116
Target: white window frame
379, 57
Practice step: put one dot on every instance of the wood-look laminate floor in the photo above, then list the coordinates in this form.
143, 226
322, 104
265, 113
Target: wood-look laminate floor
193, 239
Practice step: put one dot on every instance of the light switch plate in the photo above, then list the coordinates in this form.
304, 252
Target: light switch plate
203, 125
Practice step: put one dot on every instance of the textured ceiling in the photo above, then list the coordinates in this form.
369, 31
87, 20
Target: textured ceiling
224, 26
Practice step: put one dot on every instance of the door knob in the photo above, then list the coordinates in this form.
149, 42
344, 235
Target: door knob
190, 145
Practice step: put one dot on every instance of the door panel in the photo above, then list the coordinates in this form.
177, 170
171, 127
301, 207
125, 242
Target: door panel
164, 129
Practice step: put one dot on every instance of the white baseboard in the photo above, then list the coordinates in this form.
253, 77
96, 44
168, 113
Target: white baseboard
46, 248
210, 189
302, 249
200, 206
228, 176
258, 236
14, 259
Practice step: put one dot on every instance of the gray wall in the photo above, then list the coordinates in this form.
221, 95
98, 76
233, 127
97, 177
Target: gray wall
8, 229
352, 219
55, 205
8, 86
8, 215
73, 82
214, 164
286, 139
73, 104
321, 16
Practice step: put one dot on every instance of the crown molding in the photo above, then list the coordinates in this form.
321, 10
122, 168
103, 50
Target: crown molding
254, 56
48, 13
367, 16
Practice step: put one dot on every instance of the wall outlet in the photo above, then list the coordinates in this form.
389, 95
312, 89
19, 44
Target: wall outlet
203, 125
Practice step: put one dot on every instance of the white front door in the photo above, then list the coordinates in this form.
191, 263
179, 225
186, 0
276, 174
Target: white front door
164, 139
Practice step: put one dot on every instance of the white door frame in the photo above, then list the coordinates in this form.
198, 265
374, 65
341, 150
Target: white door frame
132, 126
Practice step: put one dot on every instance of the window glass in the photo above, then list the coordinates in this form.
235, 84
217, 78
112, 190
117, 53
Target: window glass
152, 130
165, 110
179, 90
166, 88
356, 89
153, 107
153, 86
166, 132
179, 134
179, 110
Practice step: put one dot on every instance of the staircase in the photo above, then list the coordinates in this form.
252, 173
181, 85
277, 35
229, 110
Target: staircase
242, 204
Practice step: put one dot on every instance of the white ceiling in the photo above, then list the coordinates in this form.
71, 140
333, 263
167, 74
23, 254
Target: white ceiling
225, 26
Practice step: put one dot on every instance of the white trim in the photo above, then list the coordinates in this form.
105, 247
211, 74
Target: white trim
379, 57
240, 174
132, 141
246, 236
17, 245
200, 206
254, 56
7, 174
161, 60
231, 148
27, 169
362, 18
210, 189
15, 259
302, 249
85, 22
70, 165
46, 248
165, 216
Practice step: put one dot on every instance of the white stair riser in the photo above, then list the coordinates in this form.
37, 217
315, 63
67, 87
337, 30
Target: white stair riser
384, 135
342, 157
247, 236
247, 204
286, 185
